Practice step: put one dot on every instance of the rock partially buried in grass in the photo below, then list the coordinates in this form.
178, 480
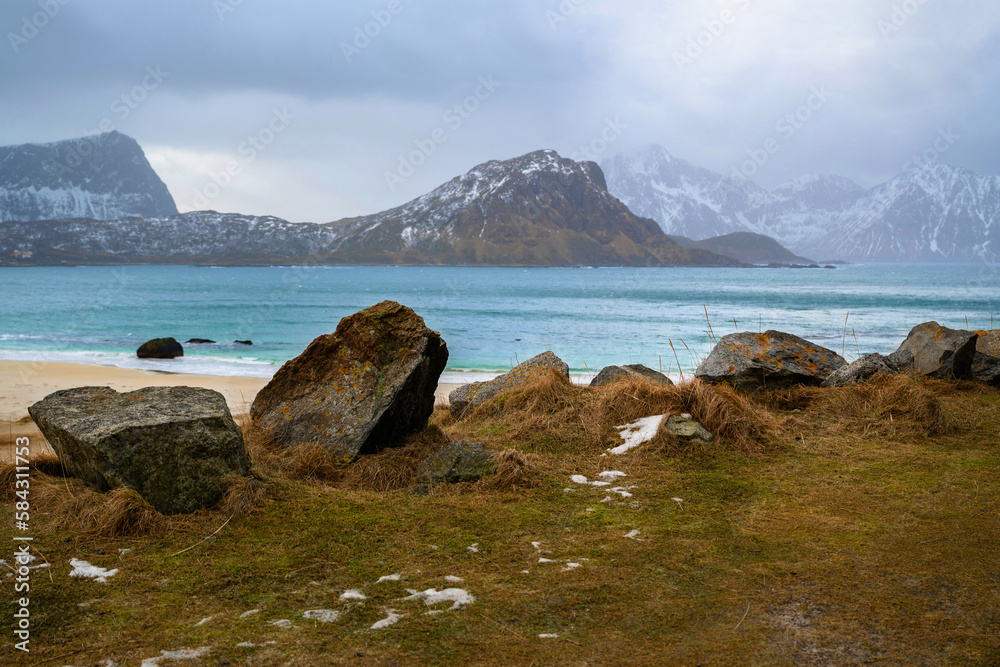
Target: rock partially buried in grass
176, 446
986, 368
989, 343
611, 374
859, 371
461, 461
941, 352
462, 400
366, 386
689, 430
766, 361
160, 348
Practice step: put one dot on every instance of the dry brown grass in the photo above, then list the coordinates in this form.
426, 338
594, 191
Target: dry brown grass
121, 512
245, 495
514, 471
394, 468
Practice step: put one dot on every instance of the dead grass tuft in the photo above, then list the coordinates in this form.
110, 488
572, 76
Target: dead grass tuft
885, 405
514, 470
245, 494
121, 512
394, 469
312, 462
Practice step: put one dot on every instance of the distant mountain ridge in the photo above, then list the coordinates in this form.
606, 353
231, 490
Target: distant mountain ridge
535, 210
933, 213
746, 247
103, 177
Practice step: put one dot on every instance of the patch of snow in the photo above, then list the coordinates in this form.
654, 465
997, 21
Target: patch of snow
84, 570
473, 548
282, 623
637, 433
678, 500
612, 475
623, 491
122, 552
247, 614
537, 545
607, 499
207, 619
453, 579
390, 577
84, 605
391, 619
252, 645
633, 534
571, 566
457, 596
548, 636
352, 594
525, 571
545, 560
182, 654
579, 479
321, 615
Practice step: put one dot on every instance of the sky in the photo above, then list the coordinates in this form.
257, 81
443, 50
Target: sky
315, 111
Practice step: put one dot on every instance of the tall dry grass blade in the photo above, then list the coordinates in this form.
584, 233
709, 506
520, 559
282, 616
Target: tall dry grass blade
677, 359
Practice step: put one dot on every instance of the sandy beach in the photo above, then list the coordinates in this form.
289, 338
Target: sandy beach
23, 383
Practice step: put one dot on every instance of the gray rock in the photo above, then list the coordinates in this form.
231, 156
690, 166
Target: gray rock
176, 446
461, 461
464, 398
941, 352
200, 341
859, 371
160, 348
989, 342
770, 360
899, 361
420, 490
631, 372
687, 429
362, 388
986, 368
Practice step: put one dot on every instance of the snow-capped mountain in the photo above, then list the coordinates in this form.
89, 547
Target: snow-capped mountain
538, 209
102, 177
932, 213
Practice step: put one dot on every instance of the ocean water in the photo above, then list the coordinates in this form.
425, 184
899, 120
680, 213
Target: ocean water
491, 318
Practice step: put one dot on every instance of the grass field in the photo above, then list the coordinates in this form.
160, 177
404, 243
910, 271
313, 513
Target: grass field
827, 527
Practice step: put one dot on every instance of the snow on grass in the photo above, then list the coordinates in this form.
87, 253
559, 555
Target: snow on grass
611, 475
571, 566
84, 570
389, 577
623, 491
678, 500
84, 605
453, 579
250, 613
548, 635
391, 619
637, 433
283, 623
580, 479
352, 594
633, 534
545, 560
182, 654
458, 597
204, 621
537, 545
321, 615
252, 645
474, 548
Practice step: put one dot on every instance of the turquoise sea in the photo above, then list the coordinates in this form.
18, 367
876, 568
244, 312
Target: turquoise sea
491, 318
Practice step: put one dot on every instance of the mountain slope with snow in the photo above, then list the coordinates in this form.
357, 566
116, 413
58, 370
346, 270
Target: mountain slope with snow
102, 177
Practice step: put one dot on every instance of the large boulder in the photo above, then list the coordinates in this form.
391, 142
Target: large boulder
366, 386
160, 348
461, 461
989, 342
941, 352
464, 398
176, 446
611, 374
768, 360
986, 368
859, 371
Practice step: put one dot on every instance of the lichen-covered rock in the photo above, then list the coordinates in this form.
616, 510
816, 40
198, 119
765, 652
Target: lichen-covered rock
160, 348
176, 446
859, 371
366, 386
611, 374
461, 461
899, 361
769, 360
941, 352
986, 368
687, 429
989, 343
468, 396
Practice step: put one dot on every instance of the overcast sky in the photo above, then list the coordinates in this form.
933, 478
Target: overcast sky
333, 110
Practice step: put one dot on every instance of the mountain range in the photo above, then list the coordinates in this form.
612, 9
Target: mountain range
933, 212
103, 177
